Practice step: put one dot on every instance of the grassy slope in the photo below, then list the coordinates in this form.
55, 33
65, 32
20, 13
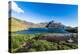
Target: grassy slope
17, 25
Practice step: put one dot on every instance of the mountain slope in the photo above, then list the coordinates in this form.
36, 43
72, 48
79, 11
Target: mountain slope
17, 24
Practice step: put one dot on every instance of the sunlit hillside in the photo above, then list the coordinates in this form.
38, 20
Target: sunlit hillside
17, 24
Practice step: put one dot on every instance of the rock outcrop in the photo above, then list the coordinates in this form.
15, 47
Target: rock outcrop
53, 24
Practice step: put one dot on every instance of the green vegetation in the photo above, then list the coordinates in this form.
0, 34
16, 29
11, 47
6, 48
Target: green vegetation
17, 41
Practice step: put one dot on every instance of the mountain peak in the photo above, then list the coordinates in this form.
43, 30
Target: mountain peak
53, 24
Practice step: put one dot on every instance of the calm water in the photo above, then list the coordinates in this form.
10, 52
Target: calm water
42, 30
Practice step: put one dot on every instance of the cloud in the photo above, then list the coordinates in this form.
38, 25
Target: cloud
16, 8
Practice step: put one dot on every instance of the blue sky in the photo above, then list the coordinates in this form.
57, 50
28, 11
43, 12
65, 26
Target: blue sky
45, 12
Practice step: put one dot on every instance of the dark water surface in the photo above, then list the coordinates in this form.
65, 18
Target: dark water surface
42, 30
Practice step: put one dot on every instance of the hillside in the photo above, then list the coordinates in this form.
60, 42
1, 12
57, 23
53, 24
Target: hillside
17, 24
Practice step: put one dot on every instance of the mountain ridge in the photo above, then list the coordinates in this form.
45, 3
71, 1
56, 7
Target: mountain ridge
17, 24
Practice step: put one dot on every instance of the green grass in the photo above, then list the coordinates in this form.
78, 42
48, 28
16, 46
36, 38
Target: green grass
38, 45
17, 39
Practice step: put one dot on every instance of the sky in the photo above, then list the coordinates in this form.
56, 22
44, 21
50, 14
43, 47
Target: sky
44, 12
